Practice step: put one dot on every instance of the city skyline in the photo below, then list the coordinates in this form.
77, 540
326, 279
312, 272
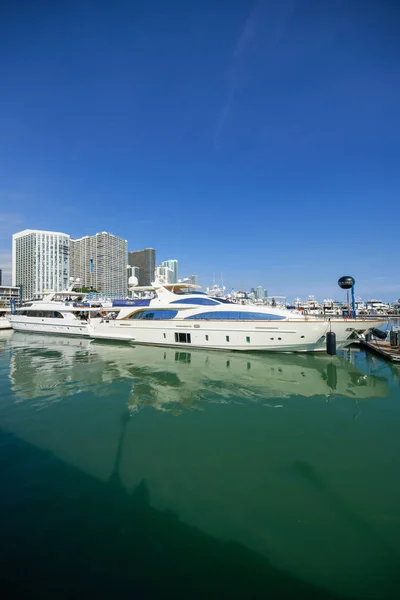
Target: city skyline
257, 140
45, 260
258, 290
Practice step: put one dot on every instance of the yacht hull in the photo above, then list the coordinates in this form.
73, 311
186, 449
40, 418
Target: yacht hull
265, 336
29, 324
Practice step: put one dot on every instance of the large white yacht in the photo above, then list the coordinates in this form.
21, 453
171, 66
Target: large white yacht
64, 312
181, 315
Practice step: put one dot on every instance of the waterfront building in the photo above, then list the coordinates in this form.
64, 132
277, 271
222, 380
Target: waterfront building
99, 261
40, 262
173, 265
145, 260
259, 292
165, 274
8, 293
193, 279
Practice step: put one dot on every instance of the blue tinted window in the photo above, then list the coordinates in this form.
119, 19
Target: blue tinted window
237, 316
154, 315
224, 301
204, 301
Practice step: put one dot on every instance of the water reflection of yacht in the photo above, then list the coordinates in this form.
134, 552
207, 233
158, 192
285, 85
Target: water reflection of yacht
166, 378
260, 477
5, 334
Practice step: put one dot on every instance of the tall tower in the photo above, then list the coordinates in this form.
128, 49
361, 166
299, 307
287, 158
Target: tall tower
145, 260
40, 261
100, 263
173, 265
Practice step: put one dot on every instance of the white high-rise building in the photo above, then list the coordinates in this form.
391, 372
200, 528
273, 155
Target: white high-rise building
164, 274
40, 262
173, 265
100, 263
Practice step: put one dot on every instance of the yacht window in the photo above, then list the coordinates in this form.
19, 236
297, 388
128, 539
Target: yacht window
236, 316
154, 315
184, 291
222, 300
183, 338
203, 301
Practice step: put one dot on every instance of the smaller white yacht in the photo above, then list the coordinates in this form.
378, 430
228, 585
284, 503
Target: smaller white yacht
312, 307
377, 307
65, 312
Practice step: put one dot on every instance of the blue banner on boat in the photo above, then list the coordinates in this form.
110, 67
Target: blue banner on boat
131, 302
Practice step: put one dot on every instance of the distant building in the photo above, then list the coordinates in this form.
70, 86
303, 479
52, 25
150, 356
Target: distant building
145, 260
193, 279
165, 275
40, 261
259, 292
1, 276
173, 265
8, 293
99, 261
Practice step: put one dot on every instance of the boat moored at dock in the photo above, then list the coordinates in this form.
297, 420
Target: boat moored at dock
180, 315
64, 312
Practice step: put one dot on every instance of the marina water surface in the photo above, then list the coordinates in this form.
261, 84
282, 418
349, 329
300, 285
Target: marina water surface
142, 472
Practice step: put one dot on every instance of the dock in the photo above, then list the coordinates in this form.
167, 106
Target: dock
383, 348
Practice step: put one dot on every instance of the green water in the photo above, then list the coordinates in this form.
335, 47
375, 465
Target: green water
135, 472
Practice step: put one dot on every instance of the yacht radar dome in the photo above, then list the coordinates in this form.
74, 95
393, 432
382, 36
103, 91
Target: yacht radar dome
133, 281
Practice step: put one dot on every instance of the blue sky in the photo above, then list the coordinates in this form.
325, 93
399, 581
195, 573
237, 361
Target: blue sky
259, 140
